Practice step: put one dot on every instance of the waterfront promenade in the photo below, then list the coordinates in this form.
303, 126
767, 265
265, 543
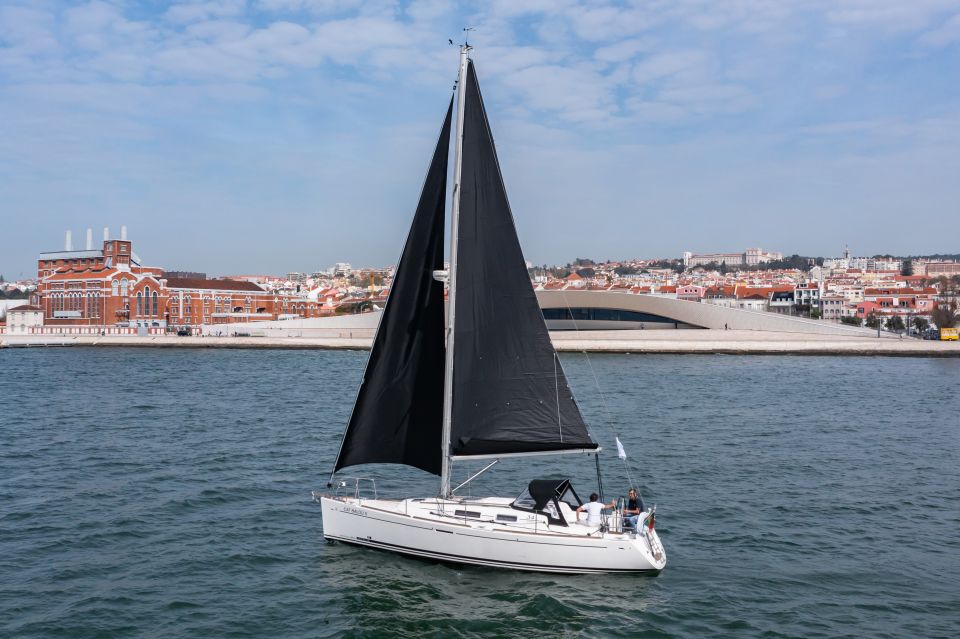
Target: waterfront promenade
680, 342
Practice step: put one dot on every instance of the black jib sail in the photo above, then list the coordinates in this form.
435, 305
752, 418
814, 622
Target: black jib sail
510, 394
398, 415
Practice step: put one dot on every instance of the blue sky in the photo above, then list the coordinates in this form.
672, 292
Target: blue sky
275, 135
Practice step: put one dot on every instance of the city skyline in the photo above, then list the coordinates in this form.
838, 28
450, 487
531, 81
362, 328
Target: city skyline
108, 286
92, 240
265, 136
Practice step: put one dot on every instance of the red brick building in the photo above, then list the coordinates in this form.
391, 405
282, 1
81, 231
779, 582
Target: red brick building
110, 287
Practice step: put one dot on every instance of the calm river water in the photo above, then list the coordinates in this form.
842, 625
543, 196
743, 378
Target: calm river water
165, 493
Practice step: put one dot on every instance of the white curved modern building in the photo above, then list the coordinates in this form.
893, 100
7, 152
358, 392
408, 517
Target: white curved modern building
584, 310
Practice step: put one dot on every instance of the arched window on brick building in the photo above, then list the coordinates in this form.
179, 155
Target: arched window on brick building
139, 304
155, 296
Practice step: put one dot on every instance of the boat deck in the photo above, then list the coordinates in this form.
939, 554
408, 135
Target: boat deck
498, 513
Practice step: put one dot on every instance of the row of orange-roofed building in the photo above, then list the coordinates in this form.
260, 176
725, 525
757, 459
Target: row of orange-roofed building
830, 294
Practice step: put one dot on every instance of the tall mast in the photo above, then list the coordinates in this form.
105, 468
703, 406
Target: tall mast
452, 279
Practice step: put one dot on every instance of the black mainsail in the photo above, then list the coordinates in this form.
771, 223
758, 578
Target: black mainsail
398, 415
509, 392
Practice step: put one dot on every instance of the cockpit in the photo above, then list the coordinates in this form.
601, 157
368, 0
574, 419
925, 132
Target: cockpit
545, 496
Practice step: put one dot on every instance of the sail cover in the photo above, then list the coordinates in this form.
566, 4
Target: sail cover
398, 415
509, 391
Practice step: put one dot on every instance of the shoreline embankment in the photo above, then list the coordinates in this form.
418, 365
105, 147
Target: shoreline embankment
640, 342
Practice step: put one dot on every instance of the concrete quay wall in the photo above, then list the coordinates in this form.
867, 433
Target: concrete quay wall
673, 342
748, 342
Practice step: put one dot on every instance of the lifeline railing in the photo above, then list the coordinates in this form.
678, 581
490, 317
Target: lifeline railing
343, 488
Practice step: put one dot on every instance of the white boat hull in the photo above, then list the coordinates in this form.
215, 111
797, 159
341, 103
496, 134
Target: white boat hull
428, 529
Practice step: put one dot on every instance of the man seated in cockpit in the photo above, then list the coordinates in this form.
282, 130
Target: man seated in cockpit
632, 510
594, 510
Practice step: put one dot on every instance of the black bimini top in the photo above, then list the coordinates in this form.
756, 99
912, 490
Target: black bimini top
544, 491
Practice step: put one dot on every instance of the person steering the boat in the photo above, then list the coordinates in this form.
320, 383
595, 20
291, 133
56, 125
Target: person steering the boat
594, 510
632, 510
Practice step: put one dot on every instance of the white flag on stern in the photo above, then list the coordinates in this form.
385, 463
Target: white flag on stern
621, 453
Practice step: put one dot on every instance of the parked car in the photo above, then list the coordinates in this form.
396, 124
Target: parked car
183, 332
931, 333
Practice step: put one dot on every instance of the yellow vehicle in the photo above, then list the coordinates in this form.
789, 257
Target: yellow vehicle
949, 334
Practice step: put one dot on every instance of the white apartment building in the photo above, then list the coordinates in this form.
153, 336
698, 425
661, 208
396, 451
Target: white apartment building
21, 319
862, 263
750, 257
807, 294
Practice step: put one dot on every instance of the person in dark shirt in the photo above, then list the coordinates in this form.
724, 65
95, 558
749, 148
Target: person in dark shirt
631, 512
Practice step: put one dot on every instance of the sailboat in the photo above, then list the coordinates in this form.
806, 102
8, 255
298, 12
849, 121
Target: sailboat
476, 378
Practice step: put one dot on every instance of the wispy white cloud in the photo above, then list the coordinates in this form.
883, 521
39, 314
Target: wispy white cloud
428, 10
576, 93
189, 12
217, 30
602, 23
26, 33
318, 6
943, 34
623, 50
893, 15
726, 98
663, 65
